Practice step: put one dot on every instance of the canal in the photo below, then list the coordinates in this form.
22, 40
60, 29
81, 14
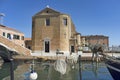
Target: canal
45, 70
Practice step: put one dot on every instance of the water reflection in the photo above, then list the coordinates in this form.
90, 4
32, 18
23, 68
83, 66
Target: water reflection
95, 71
46, 71
5, 70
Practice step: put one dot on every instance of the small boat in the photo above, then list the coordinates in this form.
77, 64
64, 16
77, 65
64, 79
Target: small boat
113, 65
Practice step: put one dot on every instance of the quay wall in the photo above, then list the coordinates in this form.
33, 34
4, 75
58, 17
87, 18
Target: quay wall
84, 56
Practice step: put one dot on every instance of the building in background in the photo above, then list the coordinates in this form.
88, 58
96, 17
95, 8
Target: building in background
12, 34
28, 43
53, 30
95, 39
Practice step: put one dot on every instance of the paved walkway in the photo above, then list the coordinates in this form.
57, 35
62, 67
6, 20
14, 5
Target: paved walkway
83, 54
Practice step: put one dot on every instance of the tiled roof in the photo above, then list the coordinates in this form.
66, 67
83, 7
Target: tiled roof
27, 39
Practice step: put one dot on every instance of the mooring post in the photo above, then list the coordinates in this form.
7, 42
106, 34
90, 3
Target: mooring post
11, 66
80, 70
11, 69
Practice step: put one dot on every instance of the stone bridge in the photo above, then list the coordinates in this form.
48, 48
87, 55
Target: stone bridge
8, 47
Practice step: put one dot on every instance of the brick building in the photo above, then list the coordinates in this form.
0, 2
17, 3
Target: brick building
28, 43
95, 39
52, 30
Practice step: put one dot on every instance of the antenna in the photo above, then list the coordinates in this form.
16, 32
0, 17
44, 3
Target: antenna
1, 18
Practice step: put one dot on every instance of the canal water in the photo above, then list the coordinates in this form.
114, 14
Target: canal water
46, 71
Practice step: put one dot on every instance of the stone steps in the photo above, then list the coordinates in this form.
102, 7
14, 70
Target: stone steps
9, 44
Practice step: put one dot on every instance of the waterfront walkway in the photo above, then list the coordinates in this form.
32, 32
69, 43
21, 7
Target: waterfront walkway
84, 56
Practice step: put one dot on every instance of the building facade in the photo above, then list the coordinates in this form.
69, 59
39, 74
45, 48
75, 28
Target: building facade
28, 43
53, 30
95, 39
12, 34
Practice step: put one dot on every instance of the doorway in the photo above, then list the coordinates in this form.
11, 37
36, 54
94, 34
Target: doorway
72, 49
47, 46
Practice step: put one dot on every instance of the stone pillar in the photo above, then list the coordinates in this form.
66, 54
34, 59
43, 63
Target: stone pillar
78, 39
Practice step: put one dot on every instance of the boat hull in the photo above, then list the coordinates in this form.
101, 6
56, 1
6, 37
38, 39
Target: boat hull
114, 68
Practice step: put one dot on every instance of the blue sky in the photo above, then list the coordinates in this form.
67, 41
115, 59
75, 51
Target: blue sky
91, 17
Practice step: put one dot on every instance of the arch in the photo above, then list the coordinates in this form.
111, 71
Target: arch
5, 52
6, 46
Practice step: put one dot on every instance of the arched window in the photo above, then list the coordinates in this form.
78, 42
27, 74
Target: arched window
8, 35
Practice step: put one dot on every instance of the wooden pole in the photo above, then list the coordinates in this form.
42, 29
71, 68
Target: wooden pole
80, 70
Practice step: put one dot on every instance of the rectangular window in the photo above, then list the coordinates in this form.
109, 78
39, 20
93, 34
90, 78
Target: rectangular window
3, 33
16, 37
65, 21
22, 38
47, 22
72, 49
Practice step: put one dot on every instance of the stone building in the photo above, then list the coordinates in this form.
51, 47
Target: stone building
28, 43
12, 34
53, 30
95, 39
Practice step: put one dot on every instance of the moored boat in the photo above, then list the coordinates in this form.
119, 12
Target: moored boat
113, 65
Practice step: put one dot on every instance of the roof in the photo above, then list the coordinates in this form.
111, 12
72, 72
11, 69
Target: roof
27, 39
48, 11
95, 36
8, 28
